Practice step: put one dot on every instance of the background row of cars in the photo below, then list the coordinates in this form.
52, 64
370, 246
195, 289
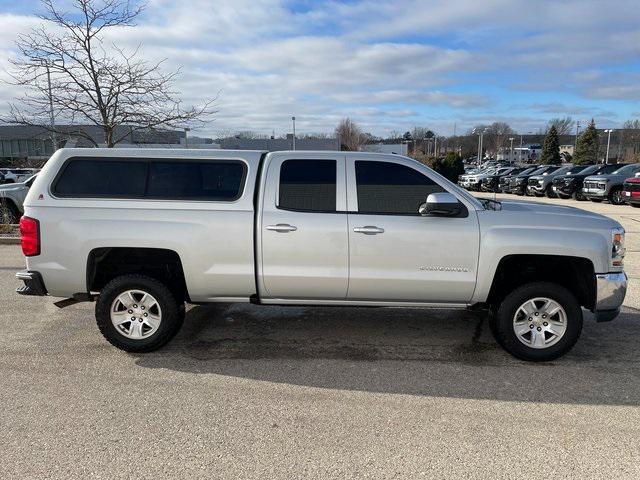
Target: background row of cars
615, 183
16, 175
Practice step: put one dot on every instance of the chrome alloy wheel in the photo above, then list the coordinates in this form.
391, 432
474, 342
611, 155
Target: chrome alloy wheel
136, 314
540, 322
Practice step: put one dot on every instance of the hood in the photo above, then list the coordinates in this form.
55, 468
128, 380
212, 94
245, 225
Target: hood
547, 209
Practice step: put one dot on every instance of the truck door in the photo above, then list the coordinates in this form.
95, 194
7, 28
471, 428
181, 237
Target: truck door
303, 228
395, 253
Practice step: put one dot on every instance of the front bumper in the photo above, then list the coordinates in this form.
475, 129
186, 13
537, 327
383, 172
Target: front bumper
564, 189
594, 193
611, 289
33, 284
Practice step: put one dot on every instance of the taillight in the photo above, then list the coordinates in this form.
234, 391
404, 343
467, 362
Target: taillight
30, 236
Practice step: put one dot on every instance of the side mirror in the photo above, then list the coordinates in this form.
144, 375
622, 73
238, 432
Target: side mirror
442, 203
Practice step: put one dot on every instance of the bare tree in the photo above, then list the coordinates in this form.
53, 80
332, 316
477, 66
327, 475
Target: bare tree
564, 126
92, 82
496, 136
350, 136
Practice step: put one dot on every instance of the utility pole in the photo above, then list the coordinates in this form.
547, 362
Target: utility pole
511, 151
575, 145
608, 132
293, 119
54, 137
520, 151
435, 146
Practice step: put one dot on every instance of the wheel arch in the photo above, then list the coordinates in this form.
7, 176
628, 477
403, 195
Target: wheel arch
576, 274
164, 265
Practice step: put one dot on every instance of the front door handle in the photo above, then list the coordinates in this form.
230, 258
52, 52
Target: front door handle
369, 230
282, 227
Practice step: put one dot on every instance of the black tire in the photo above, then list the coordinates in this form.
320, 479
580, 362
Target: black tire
549, 193
615, 196
502, 322
577, 195
596, 200
172, 313
635, 205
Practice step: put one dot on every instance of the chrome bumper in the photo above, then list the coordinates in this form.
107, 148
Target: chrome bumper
611, 289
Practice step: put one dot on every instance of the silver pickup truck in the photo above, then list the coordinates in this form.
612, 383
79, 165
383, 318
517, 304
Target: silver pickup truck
142, 232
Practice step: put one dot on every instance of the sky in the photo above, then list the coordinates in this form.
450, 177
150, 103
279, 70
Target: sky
387, 65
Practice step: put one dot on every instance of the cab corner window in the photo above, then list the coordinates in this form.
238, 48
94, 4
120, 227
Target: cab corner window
391, 189
308, 185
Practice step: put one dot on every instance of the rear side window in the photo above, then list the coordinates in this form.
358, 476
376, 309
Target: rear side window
155, 179
389, 188
100, 178
195, 180
308, 185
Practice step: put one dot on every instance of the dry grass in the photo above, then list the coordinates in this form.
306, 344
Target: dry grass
6, 229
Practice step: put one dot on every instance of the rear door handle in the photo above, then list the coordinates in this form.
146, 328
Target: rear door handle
282, 227
369, 230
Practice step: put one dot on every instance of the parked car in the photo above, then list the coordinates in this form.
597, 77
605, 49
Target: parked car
504, 184
609, 186
17, 175
307, 228
570, 185
12, 197
543, 184
520, 182
491, 183
631, 190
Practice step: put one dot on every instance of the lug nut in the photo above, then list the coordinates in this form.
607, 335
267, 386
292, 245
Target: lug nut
145, 314
135, 306
133, 319
142, 307
530, 318
536, 314
539, 329
130, 311
544, 315
545, 323
531, 326
140, 319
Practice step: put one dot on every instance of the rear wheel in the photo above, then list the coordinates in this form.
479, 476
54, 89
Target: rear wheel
549, 192
538, 322
138, 314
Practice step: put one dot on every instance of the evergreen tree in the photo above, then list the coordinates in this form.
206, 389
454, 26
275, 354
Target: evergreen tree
588, 146
551, 148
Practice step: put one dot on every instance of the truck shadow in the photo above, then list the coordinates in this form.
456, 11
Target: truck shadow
408, 351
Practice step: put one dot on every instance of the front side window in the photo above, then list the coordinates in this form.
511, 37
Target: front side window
308, 185
391, 189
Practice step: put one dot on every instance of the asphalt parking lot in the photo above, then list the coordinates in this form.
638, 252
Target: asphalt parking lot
269, 392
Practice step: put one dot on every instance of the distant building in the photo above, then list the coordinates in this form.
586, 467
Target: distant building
277, 144
524, 154
21, 142
395, 148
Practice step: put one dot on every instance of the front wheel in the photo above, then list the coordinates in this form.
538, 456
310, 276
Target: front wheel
138, 314
538, 322
616, 197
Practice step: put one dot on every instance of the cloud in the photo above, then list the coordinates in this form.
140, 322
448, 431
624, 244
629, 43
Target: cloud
389, 65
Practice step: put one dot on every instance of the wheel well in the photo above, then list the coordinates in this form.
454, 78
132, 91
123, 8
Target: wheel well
105, 264
9, 203
576, 274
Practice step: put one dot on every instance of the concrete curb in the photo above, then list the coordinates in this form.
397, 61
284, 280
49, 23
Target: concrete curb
9, 240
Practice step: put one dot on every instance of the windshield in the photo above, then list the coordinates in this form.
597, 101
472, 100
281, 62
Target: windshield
627, 169
607, 169
539, 171
590, 169
560, 171
576, 169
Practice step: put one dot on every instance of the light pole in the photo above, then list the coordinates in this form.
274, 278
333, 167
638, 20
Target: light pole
475, 130
435, 146
511, 150
608, 132
575, 144
293, 120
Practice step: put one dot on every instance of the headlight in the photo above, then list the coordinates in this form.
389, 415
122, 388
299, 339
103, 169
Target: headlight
617, 250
